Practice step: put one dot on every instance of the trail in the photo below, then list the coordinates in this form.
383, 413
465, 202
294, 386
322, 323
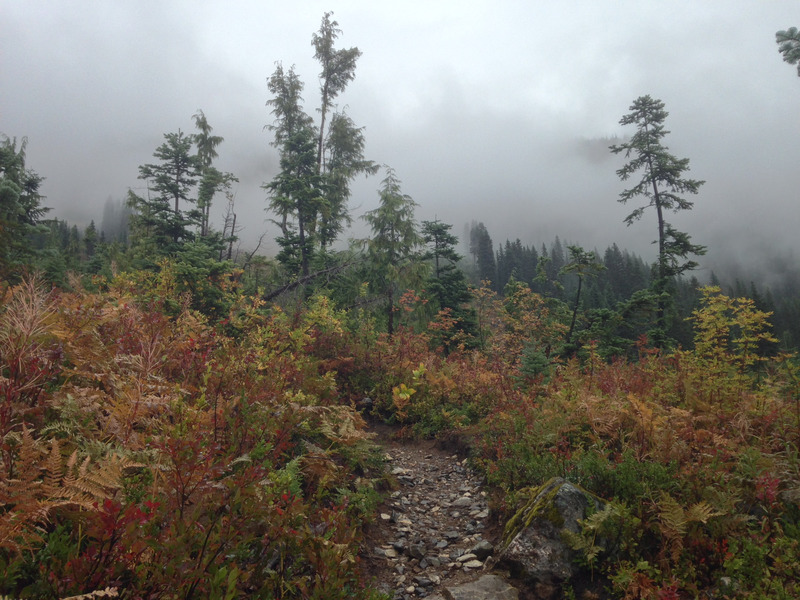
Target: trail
434, 531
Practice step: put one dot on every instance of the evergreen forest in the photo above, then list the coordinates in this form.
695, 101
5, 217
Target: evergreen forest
184, 418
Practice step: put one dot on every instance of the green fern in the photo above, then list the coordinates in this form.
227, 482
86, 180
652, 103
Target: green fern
674, 521
606, 533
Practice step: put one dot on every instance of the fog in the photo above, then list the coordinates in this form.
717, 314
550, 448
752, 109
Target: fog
499, 112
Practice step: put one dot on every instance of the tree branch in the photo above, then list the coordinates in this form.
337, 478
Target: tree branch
304, 280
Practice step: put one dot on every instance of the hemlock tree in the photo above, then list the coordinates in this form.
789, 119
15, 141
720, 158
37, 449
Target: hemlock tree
158, 223
392, 251
662, 184
344, 160
482, 250
21, 210
340, 149
583, 264
212, 179
789, 45
338, 69
296, 194
318, 162
447, 284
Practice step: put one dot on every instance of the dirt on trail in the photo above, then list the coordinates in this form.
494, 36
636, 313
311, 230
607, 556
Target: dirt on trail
434, 530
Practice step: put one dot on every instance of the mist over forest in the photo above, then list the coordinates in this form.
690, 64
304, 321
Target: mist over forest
512, 134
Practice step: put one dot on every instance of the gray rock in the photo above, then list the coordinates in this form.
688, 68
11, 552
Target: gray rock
417, 550
466, 557
482, 550
488, 587
473, 564
462, 502
533, 546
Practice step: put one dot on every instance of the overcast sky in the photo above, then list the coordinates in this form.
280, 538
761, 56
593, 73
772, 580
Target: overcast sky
497, 111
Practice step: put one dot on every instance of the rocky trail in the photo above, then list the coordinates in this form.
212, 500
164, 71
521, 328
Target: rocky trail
433, 537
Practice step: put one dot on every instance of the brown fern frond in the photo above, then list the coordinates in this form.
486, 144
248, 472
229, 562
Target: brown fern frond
53, 470
318, 469
100, 482
701, 512
673, 524
674, 521
28, 313
672, 516
46, 481
341, 424
603, 416
20, 494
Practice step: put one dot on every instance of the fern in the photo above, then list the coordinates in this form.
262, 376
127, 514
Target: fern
340, 424
674, 521
43, 481
608, 532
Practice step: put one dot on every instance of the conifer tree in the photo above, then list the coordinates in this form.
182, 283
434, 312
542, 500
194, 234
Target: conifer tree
159, 224
318, 162
393, 250
583, 264
662, 184
212, 179
482, 250
21, 209
789, 45
447, 283
296, 194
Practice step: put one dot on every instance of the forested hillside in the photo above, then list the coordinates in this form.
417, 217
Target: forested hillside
180, 419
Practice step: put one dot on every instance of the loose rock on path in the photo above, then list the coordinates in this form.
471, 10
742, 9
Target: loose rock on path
433, 533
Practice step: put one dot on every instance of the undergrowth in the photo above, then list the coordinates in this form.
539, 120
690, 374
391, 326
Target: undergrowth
155, 452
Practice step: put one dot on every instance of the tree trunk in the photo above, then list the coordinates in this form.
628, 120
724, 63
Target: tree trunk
323, 114
390, 311
575, 310
662, 271
303, 250
230, 243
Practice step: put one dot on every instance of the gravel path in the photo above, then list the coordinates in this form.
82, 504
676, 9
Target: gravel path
434, 530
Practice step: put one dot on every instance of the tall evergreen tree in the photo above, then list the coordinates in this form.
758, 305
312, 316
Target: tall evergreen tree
482, 250
90, 240
296, 194
212, 179
344, 160
393, 250
338, 69
340, 147
662, 184
21, 209
318, 162
158, 224
583, 264
447, 282
114, 224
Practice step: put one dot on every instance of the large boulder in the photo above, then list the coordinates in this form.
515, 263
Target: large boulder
533, 547
488, 587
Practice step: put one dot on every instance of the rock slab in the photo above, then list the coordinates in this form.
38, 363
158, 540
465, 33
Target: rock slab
488, 587
534, 549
